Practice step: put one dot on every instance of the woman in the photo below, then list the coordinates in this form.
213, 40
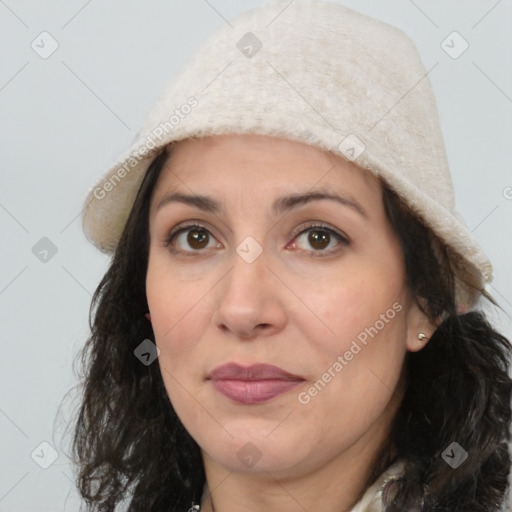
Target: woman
290, 320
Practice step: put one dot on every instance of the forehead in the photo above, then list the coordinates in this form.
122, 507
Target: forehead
262, 165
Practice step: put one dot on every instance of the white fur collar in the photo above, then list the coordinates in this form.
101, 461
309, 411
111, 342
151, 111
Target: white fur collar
372, 500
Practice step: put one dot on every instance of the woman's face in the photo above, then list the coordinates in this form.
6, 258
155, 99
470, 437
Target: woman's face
265, 279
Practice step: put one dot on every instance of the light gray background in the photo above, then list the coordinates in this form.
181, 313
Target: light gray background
65, 119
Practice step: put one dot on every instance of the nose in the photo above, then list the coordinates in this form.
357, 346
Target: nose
249, 300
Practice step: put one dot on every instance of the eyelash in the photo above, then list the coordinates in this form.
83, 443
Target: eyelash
318, 253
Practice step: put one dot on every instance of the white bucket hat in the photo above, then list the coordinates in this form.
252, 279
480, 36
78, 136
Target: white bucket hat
318, 73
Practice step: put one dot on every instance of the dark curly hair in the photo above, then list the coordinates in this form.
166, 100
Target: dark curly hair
129, 444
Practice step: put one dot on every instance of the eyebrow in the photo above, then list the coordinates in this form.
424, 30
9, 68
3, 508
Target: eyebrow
279, 206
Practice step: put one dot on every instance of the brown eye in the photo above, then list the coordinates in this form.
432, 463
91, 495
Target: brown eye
189, 239
197, 238
321, 239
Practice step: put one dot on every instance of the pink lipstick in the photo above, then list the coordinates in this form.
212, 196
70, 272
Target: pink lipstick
253, 384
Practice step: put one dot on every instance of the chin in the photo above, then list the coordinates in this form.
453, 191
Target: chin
256, 451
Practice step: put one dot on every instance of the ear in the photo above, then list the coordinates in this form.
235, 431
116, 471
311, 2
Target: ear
148, 316
419, 327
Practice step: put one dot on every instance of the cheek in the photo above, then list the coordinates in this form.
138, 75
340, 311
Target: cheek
169, 298
179, 310
366, 341
367, 302
360, 366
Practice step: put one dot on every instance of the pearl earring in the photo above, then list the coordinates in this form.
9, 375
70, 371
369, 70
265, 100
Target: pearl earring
422, 336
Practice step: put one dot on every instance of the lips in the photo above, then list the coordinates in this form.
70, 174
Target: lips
252, 384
